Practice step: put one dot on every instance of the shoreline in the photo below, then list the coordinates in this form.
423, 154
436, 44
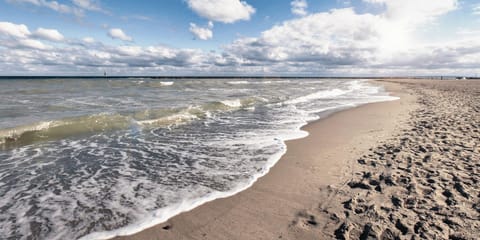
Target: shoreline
180, 226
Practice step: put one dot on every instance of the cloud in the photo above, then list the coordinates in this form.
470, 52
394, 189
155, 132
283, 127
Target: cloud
455, 56
92, 58
117, 33
203, 33
476, 9
137, 17
342, 41
14, 30
415, 11
338, 37
31, 43
52, 5
402, 19
226, 11
76, 9
88, 39
18, 36
88, 5
339, 42
49, 34
299, 7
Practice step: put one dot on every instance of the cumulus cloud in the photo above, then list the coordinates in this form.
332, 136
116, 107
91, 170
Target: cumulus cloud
49, 34
415, 11
24, 54
18, 36
117, 33
226, 11
337, 37
15, 30
336, 42
203, 33
31, 43
400, 20
343, 41
299, 7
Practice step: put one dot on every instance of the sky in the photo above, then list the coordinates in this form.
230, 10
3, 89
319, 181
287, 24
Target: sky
238, 38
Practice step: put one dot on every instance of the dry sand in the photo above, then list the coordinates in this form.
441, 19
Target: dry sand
390, 170
423, 182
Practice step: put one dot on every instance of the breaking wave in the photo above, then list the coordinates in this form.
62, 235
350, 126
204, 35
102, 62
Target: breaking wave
107, 122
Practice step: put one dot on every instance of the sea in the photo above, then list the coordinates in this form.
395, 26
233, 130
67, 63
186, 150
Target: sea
93, 158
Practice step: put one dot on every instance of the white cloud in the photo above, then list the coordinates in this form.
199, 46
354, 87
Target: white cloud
476, 9
226, 11
337, 42
401, 20
35, 2
88, 5
14, 30
203, 33
54, 5
77, 10
299, 7
337, 37
17, 36
49, 34
130, 50
117, 33
344, 42
31, 43
137, 17
88, 39
415, 11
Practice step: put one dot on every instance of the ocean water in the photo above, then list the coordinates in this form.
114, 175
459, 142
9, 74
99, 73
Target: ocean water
95, 158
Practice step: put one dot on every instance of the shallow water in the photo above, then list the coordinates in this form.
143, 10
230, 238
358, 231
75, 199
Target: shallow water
97, 157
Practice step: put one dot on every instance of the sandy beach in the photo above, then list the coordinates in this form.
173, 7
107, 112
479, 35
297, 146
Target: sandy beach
404, 169
421, 183
239, 120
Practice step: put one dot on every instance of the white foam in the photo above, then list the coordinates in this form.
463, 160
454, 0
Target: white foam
235, 103
168, 120
238, 82
166, 83
163, 214
285, 127
14, 132
317, 95
263, 82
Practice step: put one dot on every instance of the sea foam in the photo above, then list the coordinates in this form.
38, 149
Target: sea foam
143, 161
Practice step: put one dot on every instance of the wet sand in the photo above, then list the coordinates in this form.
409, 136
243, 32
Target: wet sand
390, 170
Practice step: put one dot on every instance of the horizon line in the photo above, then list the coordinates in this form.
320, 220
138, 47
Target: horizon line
231, 76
